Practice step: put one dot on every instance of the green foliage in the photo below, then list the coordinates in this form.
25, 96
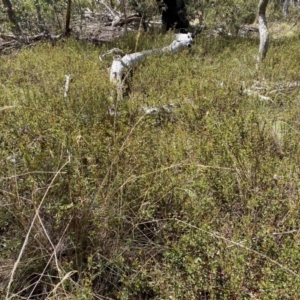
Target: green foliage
226, 14
48, 15
39, 15
198, 203
147, 8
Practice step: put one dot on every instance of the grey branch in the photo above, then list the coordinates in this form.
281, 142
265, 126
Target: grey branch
119, 65
263, 29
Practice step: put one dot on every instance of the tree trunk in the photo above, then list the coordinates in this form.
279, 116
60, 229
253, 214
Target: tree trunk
285, 9
124, 13
263, 29
39, 15
68, 18
174, 15
12, 16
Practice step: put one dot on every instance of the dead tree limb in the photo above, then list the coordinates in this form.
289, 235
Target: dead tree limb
121, 64
112, 12
126, 20
13, 42
67, 85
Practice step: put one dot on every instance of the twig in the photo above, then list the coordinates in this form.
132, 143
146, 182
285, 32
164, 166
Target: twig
124, 20
53, 254
112, 51
67, 85
217, 235
15, 41
7, 36
30, 229
255, 94
29, 173
114, 14
71, 273
174, 166
8, 107
287, 232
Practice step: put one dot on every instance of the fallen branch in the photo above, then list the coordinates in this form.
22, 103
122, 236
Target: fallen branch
113, 13
67, 85
124, 20
258, 88
155, 110
29, 38
256, 94
7, 36
114, 50
120, 65
16, 41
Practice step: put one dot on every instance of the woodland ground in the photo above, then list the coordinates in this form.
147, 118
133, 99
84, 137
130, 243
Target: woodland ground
199, 202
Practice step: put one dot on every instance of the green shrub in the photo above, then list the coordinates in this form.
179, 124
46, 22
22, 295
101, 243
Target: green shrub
198, 203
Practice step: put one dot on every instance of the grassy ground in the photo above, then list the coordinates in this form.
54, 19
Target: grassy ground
198, 203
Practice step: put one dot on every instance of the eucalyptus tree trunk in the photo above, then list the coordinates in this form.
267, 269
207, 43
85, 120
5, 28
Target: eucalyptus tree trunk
68, 18
174, 14
263, 29
12, 16
285, 9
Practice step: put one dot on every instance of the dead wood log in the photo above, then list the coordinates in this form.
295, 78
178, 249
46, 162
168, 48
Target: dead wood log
67, 85
120, 21
16, 41
121, 64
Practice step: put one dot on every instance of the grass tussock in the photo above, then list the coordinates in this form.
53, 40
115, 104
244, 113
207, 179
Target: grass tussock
200, 202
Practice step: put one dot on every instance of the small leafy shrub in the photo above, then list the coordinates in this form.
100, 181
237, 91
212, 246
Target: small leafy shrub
197, 203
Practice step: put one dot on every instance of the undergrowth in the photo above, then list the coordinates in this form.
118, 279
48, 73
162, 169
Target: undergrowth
198, 202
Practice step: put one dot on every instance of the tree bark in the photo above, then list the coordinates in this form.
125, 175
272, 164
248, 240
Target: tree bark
263, 29
68, 18
285, 9
12, 16
124, 13
173, 14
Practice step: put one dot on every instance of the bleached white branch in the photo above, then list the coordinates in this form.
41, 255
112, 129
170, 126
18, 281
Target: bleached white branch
113, 13
256, 94
114, 50
119, 65
154, 110
67, 85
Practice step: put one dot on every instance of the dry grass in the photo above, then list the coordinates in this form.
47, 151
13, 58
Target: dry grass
197, 203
